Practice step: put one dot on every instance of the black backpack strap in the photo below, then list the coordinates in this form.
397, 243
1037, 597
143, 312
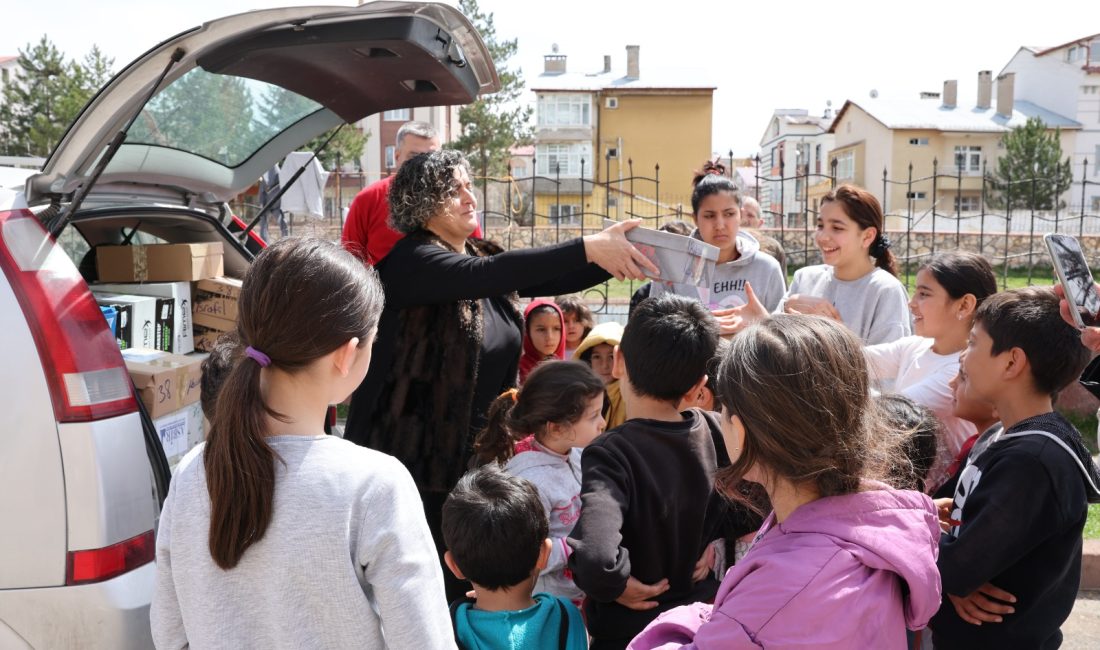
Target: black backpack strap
454, 612
563, 627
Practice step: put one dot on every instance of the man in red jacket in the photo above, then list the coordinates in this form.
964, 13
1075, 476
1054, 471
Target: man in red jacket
367, 232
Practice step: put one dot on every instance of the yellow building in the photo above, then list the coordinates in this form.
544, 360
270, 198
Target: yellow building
905, 138
600, 138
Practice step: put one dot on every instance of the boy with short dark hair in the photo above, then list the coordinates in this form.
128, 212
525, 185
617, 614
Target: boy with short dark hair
649, 507
496, 534
1011, 561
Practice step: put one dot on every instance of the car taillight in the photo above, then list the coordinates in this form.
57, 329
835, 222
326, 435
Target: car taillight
101, 564
83, 366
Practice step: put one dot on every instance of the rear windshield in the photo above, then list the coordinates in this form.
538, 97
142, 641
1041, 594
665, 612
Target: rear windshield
220, 117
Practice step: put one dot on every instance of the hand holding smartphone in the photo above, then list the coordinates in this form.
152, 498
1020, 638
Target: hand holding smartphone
1076, 279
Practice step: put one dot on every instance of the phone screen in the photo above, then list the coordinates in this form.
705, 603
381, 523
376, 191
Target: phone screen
1073, 271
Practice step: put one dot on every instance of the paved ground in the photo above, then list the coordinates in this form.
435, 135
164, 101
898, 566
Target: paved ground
1082, 630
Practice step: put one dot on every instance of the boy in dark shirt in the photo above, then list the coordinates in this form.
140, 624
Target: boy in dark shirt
1011, 561
649, 507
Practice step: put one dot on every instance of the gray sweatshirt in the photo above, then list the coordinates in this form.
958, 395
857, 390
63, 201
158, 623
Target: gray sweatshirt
725, 285
346, 562
558, 479
875, 307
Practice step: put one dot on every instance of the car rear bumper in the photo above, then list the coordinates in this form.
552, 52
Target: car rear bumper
111, 614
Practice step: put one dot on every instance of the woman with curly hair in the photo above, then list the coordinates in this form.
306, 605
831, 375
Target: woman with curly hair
449, 340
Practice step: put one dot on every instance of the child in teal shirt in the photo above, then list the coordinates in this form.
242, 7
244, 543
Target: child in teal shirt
496, 534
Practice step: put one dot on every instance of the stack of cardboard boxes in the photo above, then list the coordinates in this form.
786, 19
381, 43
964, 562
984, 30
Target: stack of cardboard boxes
170, 304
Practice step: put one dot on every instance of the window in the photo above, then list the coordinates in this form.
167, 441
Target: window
1094, 52
845, 165
967, 203
564, 110
1096, 162
519, 171
398, 115
774, 159
190, 115
916, 196
1095, 204
552, 159
1074, 53
565, 215
919, 142
391, 159
817, 159
968, 160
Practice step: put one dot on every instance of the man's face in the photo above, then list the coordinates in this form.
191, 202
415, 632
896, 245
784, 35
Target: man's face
412, 145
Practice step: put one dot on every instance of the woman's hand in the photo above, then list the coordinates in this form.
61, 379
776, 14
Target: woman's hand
734, 319
704, 565
811, 306
637, 594
1090, 336
612, 252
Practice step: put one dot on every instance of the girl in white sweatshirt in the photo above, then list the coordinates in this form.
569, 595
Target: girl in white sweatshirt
538, 433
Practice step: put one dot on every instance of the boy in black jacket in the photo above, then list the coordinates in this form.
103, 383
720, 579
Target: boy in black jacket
1011, 562
647, 488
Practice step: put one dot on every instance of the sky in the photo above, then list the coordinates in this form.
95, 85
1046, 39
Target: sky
761, 56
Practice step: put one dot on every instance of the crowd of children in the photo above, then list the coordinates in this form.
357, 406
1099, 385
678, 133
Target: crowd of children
892, 490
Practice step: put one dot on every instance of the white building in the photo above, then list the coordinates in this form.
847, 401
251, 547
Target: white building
1066, 80
795, 146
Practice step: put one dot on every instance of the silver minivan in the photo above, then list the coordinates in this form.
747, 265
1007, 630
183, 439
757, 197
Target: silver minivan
154, 157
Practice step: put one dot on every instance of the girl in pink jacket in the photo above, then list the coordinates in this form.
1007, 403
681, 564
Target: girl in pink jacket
842, 561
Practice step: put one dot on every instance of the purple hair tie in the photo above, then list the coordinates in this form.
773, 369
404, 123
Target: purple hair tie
259, 357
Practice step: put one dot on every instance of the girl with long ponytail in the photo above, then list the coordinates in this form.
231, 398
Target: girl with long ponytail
857, 284
274, 534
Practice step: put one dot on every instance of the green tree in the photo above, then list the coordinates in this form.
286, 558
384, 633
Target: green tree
282, 107
1031, 152
207, 114
492, 124
46, 96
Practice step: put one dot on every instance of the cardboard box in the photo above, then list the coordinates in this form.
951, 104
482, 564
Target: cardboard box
180, 431
159, 262
165, 382
172, 324
136, 320
682, 260
216, 303
205, 338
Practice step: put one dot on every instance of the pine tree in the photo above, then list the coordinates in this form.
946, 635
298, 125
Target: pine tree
493, 124
40, 103
1031, 152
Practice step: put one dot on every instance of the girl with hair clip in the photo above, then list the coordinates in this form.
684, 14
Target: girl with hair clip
858, 282
716, 211
950, 287
273, 534
543, 335
842, 561
538, 433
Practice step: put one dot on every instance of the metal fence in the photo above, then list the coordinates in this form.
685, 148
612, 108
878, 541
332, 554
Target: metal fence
541, 210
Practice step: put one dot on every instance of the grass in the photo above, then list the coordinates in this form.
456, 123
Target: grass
1092, 524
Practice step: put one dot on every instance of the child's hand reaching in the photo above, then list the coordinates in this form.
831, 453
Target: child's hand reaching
943, 511
704, 565
980, 606
811, 306
734, 319
637, 594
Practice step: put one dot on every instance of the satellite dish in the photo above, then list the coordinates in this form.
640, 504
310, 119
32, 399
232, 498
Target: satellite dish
554, 48
874, 93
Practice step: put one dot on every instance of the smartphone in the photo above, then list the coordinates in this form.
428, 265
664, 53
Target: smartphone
1076, 278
